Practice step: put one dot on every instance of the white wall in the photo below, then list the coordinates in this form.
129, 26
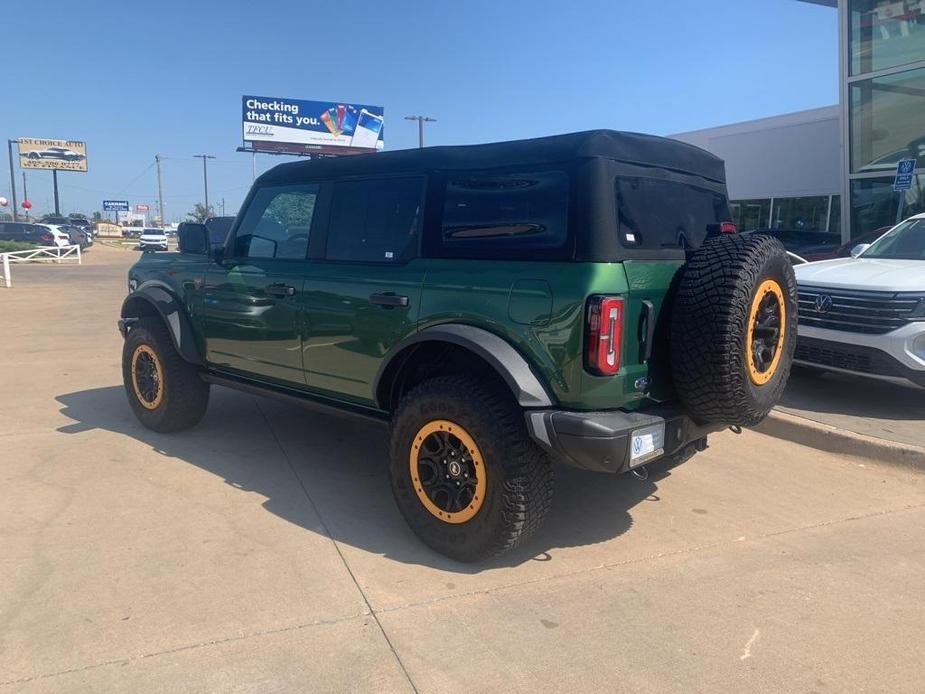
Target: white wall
792, 155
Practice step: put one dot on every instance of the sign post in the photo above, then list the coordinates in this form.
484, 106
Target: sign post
905, 175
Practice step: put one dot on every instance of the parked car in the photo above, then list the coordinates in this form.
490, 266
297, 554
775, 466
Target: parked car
152, 239
844, 251
61, 237
26, 233
806, 244
579, 298
54, 219
77, 236
866, 314
81, 223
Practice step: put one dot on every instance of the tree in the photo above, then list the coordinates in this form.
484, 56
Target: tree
97, 217
200, 213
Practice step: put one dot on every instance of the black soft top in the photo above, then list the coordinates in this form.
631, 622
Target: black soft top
632, 148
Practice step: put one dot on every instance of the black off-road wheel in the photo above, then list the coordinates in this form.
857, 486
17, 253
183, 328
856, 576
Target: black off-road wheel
733, 329
466, 476
165, 391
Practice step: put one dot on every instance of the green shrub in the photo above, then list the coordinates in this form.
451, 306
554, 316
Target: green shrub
8, 246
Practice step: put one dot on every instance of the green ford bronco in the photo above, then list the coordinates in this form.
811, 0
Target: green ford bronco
579, 298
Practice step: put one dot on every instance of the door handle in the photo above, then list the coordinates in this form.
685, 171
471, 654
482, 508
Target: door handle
647, 329
280, 290
388, 299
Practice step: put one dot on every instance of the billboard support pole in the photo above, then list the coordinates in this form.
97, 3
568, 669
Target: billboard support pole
54, 178
160, 189
9, 144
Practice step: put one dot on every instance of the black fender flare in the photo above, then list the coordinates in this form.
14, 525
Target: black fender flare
510, 364
172, 312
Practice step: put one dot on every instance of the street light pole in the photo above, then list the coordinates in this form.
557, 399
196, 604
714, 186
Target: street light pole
205, 176
9, 144
160, 190
421, 120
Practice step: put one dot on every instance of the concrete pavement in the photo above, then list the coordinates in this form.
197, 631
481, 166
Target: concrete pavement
883, 409
262, 551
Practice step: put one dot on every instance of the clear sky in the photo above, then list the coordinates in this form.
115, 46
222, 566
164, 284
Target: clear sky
134, 79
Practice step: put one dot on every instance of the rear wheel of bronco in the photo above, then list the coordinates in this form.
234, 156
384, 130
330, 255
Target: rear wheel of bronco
465, 474
733, 329
164, 391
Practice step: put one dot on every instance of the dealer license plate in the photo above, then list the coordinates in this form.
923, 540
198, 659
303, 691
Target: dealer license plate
647, 443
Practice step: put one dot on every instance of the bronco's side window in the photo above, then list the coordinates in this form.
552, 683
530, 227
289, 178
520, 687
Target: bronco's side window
375, 220
277, 223
655, 214
489, 213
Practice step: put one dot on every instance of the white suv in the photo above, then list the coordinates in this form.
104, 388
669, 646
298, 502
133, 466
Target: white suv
152, 240
866, 314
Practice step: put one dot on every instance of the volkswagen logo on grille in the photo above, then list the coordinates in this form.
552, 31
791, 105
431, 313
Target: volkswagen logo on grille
823, 303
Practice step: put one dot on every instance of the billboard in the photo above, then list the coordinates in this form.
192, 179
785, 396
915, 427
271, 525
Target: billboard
115, 206
142, 208
65, 155
294, 126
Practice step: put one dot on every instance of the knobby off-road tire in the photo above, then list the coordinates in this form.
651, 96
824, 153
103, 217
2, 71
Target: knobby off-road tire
728, 363
164, 391
496, 486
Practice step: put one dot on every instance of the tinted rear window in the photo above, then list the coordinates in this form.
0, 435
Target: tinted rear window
656, 214
505, 214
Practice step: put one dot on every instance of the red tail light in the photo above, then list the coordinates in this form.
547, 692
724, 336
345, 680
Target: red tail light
728, 228
604, 335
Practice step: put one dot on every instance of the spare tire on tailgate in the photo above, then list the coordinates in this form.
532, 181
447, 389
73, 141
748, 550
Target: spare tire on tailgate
733, 329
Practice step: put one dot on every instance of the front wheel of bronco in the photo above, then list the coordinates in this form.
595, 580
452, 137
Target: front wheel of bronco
465, 474
164, 391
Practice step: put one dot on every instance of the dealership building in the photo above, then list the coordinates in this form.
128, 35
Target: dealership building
832, 169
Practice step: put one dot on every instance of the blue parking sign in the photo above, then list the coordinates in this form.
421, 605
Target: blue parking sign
905, 172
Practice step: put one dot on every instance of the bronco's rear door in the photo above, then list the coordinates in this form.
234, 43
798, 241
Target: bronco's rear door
363, 292
659, 220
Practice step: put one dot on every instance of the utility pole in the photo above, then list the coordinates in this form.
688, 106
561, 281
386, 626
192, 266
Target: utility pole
54, 178
223, 207
160, 190
25, 192
205, 176
253, 166
421, 120
9, 144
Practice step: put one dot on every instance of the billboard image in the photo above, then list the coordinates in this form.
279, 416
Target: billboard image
115, 205
65, 155
291, 125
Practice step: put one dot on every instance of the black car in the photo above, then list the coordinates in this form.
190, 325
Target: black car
26, 233
76, 236
56, 219
802, 242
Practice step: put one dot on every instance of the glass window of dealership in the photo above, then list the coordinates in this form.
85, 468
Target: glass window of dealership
883, 102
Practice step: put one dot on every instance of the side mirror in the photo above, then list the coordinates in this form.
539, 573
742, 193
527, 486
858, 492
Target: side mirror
193, 238
860, 248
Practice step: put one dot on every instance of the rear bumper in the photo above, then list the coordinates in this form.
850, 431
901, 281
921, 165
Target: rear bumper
601, 441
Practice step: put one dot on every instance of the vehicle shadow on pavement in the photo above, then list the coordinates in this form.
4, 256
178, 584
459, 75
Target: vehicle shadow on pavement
838, 394
255, 445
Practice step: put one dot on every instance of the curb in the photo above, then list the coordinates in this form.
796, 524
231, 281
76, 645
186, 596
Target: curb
840, 441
